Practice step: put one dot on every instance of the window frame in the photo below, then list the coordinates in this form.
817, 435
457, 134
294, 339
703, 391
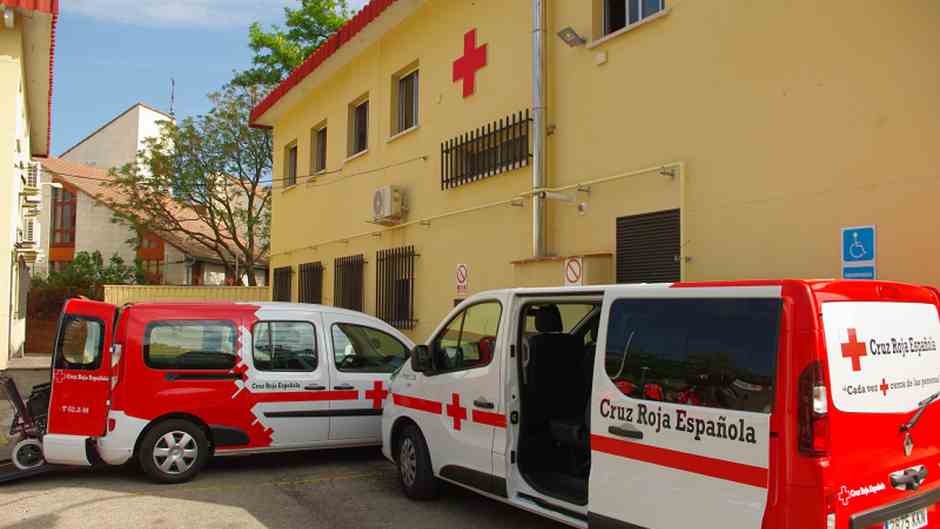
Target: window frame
364, 326
401, 104
60, 335
291, 154
317, 149
353, 148
316, 347
602, 29
462, 314
69, 225
775, 361
152, 324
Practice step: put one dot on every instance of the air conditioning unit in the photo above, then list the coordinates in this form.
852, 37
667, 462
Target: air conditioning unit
32, 174
32, 200
31, 212
388, 206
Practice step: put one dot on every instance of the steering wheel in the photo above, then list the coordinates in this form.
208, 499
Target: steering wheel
349, 361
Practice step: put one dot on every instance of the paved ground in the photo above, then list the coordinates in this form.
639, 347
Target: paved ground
341, 489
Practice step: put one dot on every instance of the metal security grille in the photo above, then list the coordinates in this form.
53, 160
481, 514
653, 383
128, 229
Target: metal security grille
311, 283
394, 287
347, 282
499, 146
282, 286
648, 248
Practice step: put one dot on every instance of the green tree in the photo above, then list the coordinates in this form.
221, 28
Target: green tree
278, 50
88, 272
204, 179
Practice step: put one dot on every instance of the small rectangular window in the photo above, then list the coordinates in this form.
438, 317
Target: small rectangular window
282, 284
359, 127
394, 291
285, 346
318, 145
190, 344
348, 282
290, 166
311, 283
408, 101
358, 349
79, 344
618, 14
718, 353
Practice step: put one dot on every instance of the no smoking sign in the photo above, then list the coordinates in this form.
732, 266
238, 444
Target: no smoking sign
462, 279
574, 272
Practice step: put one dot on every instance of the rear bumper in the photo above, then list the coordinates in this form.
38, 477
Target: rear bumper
117, 447
879, 515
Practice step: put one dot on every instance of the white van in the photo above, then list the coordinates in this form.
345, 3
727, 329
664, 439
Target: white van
760, 404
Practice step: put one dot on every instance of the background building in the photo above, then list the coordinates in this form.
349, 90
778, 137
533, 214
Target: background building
683, 140
27, 39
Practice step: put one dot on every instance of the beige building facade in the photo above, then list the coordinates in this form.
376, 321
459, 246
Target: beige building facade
691, 141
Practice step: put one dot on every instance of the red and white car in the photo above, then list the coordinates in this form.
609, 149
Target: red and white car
760, 404
172, 384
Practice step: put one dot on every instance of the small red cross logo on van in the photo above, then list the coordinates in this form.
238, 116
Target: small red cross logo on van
377, 395
456, 411
844, 495
884, 387
855, 350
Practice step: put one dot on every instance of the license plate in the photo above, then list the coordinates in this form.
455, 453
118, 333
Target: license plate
911, 520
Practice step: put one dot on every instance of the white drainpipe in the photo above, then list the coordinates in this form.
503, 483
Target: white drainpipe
538, 128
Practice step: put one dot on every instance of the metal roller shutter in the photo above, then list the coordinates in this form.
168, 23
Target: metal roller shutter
648, 248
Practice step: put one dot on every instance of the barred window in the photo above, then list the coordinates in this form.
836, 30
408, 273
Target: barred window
311, 283
282, 284
394, 294
492, 149
348, 282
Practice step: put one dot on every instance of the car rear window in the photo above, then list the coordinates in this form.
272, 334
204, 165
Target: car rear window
882, 356
190, 344
719, 353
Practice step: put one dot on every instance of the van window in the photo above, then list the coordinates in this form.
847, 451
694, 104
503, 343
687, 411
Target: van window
190, 344
469, 340
359, 349
80, 343
572, 314
284, 346
717, 353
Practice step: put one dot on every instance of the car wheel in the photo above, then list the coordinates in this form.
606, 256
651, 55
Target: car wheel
414, 466
173, 451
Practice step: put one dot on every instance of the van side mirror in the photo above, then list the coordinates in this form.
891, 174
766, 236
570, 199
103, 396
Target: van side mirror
421, 359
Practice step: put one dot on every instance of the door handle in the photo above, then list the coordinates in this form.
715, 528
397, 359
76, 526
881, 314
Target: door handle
344, 387
483, 404
314, 387
625, 431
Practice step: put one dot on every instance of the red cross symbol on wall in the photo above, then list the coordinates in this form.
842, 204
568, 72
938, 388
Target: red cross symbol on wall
855, 350
377, 395
466, 67
456, 411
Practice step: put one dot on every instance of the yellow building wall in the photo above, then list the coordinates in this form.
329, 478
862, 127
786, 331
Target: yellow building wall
788, 122
122, 294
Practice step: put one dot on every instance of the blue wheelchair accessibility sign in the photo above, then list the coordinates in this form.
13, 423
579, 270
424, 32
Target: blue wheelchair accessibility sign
858, 252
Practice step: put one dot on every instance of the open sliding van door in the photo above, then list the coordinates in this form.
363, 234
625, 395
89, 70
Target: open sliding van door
81, 381
680, 422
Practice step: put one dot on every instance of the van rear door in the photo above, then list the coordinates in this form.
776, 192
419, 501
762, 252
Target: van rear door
680, 423
81, 380
883, 363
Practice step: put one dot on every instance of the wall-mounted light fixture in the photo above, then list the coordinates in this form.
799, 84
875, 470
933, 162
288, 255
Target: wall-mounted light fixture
571, 37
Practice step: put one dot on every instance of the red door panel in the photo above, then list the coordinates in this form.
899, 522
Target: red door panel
81, 369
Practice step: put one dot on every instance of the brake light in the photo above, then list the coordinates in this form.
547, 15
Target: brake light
813, 412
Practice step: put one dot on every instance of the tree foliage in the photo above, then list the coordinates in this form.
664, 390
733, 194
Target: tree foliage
204, 179
87, 272
277, 51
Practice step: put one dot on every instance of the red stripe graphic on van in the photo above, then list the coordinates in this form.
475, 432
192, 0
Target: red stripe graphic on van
417, 403
707, 466
489, 418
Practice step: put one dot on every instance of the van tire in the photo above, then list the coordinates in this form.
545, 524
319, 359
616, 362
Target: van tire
177, 445
414, 466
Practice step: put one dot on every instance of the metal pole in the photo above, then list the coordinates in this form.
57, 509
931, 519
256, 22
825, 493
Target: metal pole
538, 128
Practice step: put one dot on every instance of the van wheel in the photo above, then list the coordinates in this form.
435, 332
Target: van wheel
414, 466
173, 451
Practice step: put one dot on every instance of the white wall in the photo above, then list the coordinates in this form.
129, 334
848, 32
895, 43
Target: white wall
112, 146
95, 231
175, 269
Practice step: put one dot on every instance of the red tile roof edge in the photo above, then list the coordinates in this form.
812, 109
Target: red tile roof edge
51, 7
344, 34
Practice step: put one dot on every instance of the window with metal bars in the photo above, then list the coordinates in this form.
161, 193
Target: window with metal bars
348, 282
500, 146
394, 286
282, 284
311, 283
648, 248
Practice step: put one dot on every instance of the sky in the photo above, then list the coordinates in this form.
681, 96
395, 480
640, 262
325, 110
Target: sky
111, 54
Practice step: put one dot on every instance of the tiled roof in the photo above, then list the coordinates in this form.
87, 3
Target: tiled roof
344, 34
98, 184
